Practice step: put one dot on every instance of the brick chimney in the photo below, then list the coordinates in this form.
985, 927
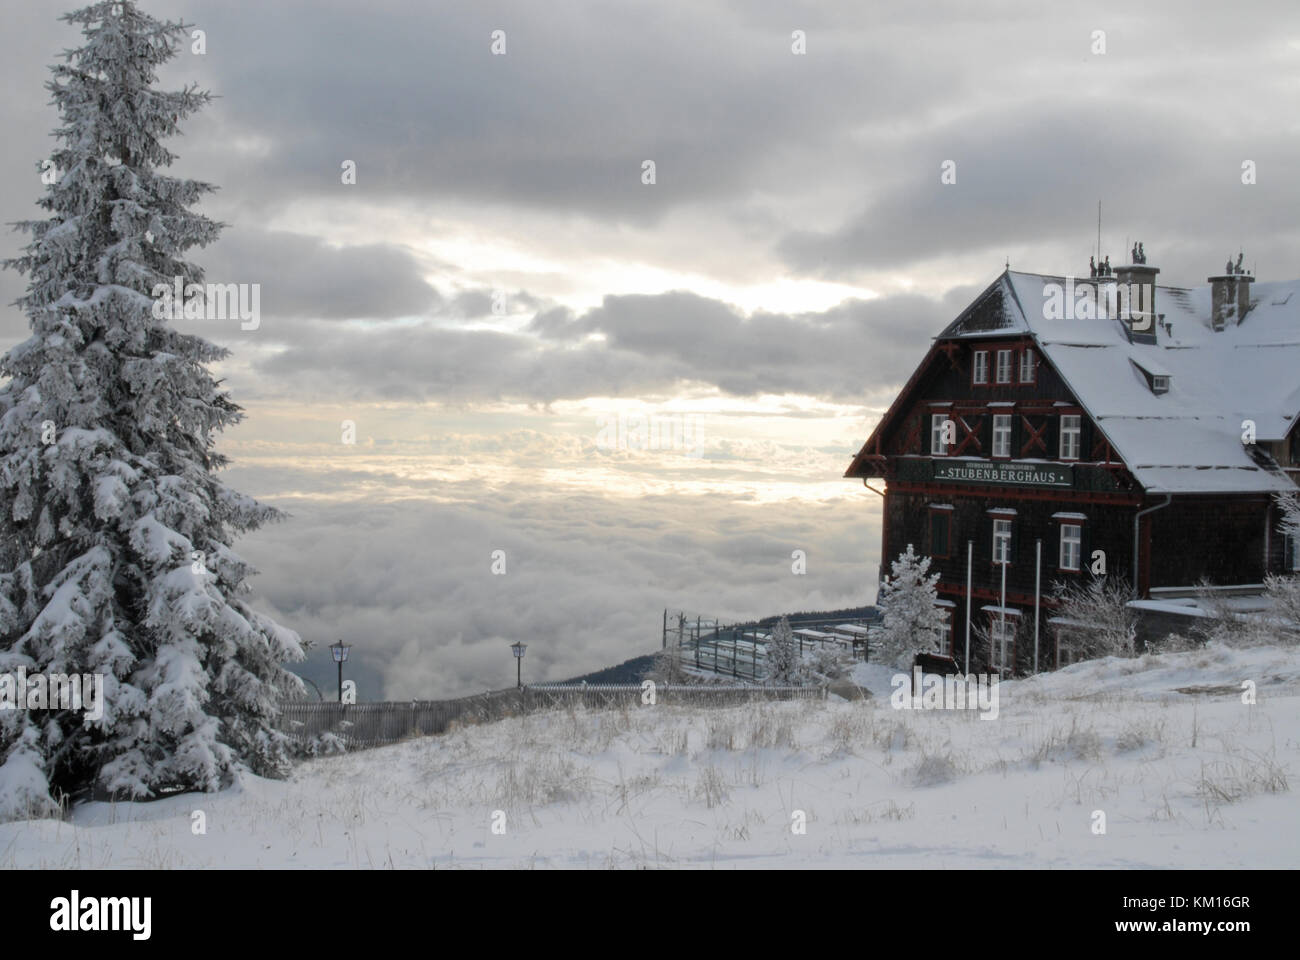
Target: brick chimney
1230, 296
1138, 285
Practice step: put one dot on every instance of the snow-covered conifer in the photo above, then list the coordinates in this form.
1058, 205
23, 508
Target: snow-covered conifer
784, 665
911, 622
115, 533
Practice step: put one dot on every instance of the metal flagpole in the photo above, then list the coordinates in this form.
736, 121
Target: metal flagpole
1038, 578
1002, 610
969, 545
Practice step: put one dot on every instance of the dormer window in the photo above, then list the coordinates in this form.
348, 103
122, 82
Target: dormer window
1156, 376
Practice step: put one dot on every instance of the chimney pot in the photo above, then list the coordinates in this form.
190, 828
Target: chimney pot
1229, 297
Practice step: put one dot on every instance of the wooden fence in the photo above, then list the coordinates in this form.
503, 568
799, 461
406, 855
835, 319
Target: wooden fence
363, 725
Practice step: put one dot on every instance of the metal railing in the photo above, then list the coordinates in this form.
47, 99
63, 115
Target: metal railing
738, 651
694, 694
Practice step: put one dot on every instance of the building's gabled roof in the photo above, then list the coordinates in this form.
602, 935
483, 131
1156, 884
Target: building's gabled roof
1188, 439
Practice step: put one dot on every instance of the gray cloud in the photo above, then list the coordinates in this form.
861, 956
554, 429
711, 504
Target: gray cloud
1034, 174
647, 345
303, 277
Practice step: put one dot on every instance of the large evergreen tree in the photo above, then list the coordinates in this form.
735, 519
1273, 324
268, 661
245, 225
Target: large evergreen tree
114, 531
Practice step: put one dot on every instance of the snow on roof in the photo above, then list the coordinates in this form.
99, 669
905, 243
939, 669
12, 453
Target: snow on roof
1187, 440
994, 608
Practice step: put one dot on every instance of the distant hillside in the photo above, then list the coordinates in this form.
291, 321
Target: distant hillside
849, 613
629, 671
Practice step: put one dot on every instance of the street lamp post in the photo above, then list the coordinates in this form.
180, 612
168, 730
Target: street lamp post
518, 650
340, 652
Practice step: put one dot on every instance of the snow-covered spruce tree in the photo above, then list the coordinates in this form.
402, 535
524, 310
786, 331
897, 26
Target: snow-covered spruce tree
911, 622
781, 657
114, 532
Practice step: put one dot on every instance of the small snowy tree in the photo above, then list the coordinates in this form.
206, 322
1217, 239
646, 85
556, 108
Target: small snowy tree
1289, 506
1284, 591
784, 665
1284, 617
1222, 622
1095, 618
115, 534
911, 621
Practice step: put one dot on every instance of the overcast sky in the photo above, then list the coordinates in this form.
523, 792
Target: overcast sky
767, 294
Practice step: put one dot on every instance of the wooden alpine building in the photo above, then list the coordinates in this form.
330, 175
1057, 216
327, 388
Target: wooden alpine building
1127, 428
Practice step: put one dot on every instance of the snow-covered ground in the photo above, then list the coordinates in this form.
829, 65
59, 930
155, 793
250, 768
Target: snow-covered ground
1184, 779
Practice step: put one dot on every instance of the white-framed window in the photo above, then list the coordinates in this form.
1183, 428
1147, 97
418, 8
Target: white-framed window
1067, 649
945, 634
1001, 540
1027, 365
1071, 431
980, 369
1002, 435
1004, 366
1071, 545
939, 433
1291, 553
1003, 634
1159, 384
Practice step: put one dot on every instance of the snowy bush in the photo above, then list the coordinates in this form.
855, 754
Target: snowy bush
1279, 624
1284, 592
1173, 643
1095, 618
829, 664
911, 622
